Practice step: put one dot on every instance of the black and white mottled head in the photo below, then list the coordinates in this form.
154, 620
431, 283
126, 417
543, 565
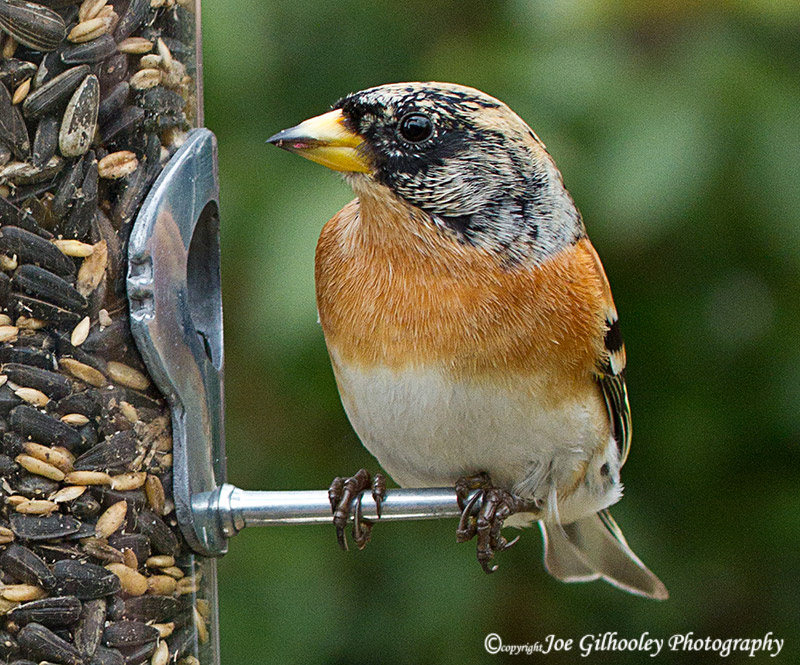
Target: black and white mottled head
459, 155
469, 161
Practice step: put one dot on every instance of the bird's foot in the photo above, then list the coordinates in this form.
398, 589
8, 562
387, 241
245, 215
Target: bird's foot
496, 506
341, 494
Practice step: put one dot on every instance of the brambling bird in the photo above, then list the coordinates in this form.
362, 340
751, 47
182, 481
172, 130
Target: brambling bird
470, 324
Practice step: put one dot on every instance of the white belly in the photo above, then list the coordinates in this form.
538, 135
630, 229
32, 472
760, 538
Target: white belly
427, 429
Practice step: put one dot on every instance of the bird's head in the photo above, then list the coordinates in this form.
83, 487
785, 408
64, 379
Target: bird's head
459, 155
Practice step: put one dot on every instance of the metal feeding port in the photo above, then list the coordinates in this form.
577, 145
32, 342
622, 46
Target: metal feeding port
174, 291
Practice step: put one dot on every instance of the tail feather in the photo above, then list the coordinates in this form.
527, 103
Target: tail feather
594, 548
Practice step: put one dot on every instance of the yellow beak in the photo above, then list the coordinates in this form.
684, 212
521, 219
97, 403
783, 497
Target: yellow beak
325, 140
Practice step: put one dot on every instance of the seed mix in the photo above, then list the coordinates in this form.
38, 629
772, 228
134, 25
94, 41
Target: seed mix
95, 96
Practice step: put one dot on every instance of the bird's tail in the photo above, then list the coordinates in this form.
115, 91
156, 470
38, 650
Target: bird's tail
594, 548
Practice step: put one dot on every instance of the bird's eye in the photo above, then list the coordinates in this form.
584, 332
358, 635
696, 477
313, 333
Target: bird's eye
415, 127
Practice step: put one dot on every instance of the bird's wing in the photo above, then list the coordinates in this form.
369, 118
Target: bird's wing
610, 371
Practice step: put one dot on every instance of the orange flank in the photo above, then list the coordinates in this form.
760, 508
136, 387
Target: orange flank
394, 291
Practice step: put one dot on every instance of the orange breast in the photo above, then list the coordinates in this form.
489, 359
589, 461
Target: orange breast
394, 291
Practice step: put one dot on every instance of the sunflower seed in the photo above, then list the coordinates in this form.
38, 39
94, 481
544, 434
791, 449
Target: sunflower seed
31, 248
129, 633
132, 195
46, 311
8, 645
27, 527
53, 95
116, 451
84, 580
26, 566
35, 26
12, 127
131, 19
104, 656
27, 356
181, 643
101, 550
45, 285
112, 101
67, 189
92, 51
162, 539
85, 507
152, 609
43, 428
46, 645
112, 71
45, 141
49, 67
80, 119
89, 630
52, 384
53, 612
83, 211
123, 123
136, 542
86, 402
163, 108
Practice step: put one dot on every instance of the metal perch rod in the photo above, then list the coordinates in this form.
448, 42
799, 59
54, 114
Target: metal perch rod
236, 508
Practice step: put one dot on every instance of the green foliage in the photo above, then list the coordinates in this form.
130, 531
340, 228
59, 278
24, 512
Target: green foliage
676, 127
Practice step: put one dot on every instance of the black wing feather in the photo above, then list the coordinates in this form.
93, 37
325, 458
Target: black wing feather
611, 378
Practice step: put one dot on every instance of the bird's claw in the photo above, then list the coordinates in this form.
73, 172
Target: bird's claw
496, 506
341, 494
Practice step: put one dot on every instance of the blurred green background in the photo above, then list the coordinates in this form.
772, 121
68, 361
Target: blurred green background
677, 128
